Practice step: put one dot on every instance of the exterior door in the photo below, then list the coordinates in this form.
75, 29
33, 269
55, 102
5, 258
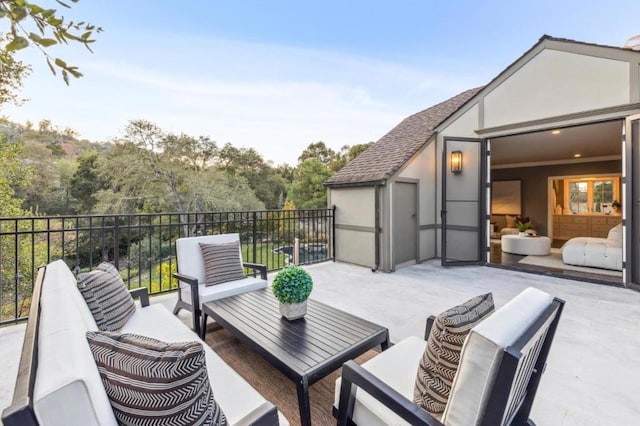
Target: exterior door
463, 207
631, 201
405, 224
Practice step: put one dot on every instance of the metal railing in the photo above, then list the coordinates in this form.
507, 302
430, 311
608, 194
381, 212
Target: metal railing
142, 246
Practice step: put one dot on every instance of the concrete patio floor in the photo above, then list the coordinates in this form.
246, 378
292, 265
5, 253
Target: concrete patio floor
593, 371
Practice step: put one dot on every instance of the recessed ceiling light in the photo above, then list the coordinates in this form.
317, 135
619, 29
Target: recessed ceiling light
577, 155
555, 132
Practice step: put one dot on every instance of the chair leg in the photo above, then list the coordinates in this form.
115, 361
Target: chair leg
177, 308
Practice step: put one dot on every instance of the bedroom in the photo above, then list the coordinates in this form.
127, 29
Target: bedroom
568, 183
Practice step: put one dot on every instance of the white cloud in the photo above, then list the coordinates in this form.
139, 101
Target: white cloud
276, 99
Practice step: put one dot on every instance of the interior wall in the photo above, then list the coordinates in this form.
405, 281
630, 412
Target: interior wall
535, 190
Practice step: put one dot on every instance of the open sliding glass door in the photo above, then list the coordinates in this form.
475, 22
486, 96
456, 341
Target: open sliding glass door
631, 200
463, 208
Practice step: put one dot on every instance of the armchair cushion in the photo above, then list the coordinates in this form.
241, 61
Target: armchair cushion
155, 383
614, 238
107, 297
441, 357
222, 262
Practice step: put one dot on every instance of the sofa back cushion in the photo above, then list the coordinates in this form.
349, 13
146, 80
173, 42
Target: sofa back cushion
155, 383
67, 389
614, 239
441, 357
190, 257
482, 352
107, 297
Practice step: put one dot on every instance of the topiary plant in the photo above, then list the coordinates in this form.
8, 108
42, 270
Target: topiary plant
292, 285
523, 223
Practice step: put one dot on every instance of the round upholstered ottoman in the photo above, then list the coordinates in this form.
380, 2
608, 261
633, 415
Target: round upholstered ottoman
515, 244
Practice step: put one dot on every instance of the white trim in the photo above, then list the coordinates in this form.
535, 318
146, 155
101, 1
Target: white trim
555, 162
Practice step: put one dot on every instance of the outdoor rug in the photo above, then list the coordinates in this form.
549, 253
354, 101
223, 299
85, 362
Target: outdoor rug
274, 385
554, 260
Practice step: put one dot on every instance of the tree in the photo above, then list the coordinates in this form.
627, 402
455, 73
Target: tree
51, 29
86, 183
265, 181
12, 174
319, 151
307, 190
12, 73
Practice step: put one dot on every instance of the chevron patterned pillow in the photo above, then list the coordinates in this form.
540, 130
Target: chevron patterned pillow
441, 357
153, 383
222, 262
107, 297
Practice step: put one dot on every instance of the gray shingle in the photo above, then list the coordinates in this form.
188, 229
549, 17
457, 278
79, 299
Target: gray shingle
394, 149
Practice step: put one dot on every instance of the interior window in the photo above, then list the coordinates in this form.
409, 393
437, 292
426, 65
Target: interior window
602, 193
579, 197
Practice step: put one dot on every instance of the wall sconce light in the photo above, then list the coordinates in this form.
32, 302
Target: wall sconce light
456, 162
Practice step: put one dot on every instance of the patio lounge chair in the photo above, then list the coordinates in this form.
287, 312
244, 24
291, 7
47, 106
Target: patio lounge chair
500, 368
194, 290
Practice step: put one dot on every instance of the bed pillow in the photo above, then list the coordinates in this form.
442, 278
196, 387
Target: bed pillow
441, 357
150, 382
222, 262
107, 297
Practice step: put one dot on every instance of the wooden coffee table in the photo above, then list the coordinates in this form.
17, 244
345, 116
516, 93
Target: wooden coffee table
305, 350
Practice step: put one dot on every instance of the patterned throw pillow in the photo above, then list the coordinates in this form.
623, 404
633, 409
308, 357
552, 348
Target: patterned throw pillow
440, 360
151, 383
107, 297
222, 262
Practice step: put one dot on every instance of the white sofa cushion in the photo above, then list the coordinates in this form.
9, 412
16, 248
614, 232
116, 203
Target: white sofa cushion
482, 352
614, 238
397, 367
236, 397
152, 382
592, 252
68, 389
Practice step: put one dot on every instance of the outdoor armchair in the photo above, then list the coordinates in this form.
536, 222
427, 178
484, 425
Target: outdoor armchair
500, 368
194, 290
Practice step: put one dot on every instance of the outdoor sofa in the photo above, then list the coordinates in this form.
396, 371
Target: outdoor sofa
58, 382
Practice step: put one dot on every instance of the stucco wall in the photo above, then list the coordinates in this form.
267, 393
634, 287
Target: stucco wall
556, 83
423, 168
354, 224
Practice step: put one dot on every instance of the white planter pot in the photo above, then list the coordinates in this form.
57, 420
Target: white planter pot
522, 234
293, 311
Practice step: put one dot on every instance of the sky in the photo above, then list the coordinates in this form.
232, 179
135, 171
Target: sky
278, 75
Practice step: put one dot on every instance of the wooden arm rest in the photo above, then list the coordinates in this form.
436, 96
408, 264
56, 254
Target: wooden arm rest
187, 279
257, 266
141, 293
355, 375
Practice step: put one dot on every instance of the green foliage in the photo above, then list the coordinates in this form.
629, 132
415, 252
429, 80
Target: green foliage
12, 73
12, 175
307, 190
50, 29
523, 223
85, 183
292, 285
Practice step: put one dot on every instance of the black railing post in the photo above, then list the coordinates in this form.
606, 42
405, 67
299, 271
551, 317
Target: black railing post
116, 243
255, 237
333, 232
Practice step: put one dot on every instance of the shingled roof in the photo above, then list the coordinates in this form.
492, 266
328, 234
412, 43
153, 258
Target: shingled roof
394, 149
